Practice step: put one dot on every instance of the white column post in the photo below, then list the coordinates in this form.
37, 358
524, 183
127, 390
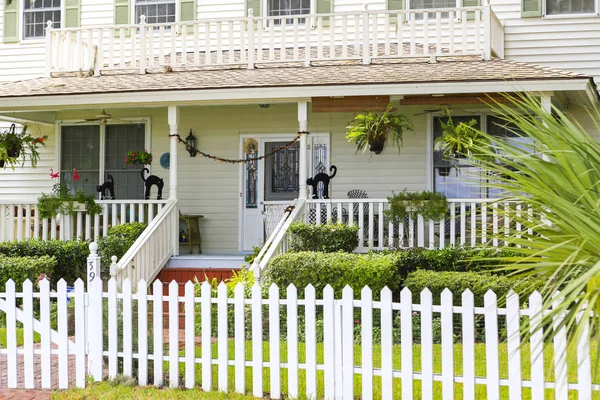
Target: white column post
49, 55
94, 314
487, 29
546, 103
303, 127
173, 121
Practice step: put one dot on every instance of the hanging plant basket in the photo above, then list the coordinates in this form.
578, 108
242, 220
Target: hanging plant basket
1, 163
444, 171
376, 145
14, 151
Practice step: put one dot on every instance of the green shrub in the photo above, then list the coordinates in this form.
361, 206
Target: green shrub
329, 238
335, 269
70, 256
20, 269
458, 259
478, 282
117, 241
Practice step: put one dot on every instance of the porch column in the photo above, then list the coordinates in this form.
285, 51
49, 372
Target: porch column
303, 167
173, 121
546, 103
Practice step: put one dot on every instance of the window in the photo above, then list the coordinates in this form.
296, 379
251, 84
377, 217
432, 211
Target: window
36, 13
288, 7
420, 4
464, 180
554, 7
156, 11
81, 150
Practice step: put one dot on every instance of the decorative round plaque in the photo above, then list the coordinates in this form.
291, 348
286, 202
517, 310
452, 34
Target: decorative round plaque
165, 160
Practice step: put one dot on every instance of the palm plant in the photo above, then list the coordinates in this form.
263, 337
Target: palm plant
557, 176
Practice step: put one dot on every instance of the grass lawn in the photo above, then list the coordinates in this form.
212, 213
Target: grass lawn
36, 337
480, 370
107, 391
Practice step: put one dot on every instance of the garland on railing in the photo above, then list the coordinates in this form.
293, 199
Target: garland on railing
241, 160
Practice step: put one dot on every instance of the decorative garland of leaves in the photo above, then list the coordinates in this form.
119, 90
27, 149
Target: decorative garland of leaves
241, 160
431, 205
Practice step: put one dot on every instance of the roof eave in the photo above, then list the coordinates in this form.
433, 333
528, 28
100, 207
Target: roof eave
289, 93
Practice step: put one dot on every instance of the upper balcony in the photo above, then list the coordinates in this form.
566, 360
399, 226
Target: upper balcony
252, 41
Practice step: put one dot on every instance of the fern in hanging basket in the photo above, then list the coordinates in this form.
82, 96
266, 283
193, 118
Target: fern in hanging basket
16, 148
62, 201
372, 130
458, 141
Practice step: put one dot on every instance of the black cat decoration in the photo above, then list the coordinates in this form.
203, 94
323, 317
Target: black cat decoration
109, 186
321, 177
152, 180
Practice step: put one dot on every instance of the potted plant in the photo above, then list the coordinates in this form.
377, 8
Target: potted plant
371, 130
138, 157
62, 200
20, 147
430, 205
459, 140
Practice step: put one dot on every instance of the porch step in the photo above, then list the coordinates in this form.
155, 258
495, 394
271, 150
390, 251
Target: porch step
207, 261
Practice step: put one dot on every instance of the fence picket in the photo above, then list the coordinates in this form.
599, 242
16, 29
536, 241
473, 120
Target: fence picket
292, 340
46, 357
157, 315
222, 342
113, 329
190, 335
537, 346
329, 341
348, 342
311, 341
257, 358
366, 299
513, 345
274, 342
427, 344
173, 334
80, 360
491, 345
584, 371
386, 343
240, 340
142, 332
406, 342
28, 334
63, 336
468, 342
127, 329
206, 337
11, 335
447, 345
560, 357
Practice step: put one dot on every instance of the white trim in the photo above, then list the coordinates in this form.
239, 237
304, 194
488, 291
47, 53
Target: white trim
232, 96
429, 171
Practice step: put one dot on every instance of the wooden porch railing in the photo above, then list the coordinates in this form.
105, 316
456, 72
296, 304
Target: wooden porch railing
21, 220
304, 39
151, 251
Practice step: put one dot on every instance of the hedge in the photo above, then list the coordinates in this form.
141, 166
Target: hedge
329, 238
20, 269
478, 282
70, 256
456, 259
117, 241
335, 269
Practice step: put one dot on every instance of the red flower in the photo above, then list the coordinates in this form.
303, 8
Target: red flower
357, 321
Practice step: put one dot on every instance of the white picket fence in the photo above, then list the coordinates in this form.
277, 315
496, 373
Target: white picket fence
325, 359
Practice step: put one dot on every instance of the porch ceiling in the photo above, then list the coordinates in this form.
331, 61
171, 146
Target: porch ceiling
462, 74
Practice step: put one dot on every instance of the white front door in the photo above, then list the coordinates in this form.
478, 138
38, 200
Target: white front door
268, 186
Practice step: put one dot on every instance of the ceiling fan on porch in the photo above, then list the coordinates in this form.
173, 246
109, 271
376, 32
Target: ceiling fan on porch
103, 118
443, 109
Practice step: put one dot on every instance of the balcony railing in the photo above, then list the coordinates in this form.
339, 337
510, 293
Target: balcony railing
302, 39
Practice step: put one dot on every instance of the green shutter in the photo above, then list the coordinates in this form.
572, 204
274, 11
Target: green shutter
72, 13
471, 3
11, 22
255, 5
394, 5
123, 12
531, 8
187, 10
325, 7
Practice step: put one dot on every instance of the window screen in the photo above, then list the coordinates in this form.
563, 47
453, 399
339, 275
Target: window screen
121, 139
36, 13
569, 7
80, 150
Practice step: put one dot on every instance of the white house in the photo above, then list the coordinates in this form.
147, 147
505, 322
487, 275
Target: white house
108, 77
